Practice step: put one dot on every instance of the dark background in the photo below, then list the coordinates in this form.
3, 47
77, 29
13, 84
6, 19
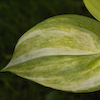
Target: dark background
16, 17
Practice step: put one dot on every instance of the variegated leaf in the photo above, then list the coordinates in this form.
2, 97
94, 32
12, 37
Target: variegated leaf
62, 52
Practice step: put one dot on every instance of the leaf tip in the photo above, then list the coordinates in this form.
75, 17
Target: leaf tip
2, 70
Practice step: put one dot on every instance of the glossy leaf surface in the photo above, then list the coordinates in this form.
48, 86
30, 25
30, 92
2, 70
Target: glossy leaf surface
62, 52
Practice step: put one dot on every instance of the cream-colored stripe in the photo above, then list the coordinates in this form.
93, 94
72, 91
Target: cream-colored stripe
85, 85
47, 52
82, 85
69, 32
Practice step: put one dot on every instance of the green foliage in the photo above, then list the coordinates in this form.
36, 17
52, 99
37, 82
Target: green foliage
62, 52
94, 7
16, 17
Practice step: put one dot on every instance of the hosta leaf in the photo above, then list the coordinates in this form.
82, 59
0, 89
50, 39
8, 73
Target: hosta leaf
62, 52
94, 7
